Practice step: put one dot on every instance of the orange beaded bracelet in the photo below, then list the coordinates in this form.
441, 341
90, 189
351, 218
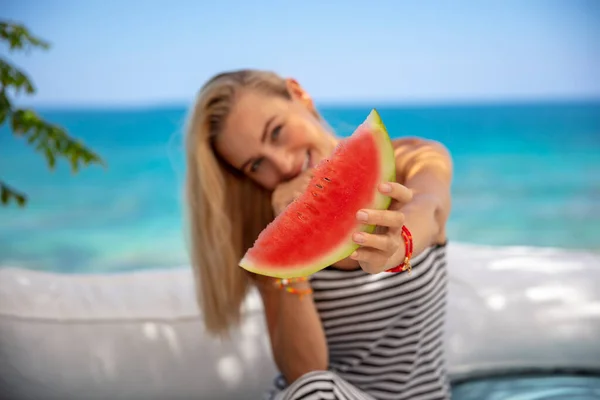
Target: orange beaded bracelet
284, 284
408, 250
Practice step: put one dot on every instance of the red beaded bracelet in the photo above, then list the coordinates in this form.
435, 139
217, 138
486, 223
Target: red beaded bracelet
408, 250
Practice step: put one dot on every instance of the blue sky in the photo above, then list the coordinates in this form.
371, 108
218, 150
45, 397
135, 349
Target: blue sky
144, 52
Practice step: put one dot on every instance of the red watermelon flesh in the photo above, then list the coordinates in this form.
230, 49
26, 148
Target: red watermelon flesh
316, 230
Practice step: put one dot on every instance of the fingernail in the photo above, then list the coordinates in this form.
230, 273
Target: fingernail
359, 238
385, 187
362, 216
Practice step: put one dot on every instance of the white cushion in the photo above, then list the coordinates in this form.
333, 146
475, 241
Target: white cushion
138, 335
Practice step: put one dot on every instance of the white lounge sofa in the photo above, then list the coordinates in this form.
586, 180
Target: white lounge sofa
139, 336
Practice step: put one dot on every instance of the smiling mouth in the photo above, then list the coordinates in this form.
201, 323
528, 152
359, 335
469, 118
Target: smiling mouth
307, 162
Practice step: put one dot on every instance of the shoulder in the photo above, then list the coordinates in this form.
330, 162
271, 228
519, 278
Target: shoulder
414, 153
409, 145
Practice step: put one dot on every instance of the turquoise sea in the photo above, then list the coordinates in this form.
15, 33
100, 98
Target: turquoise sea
526, 174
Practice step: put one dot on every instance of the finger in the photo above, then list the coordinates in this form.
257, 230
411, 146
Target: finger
389, 218
386, 243
308, 175
396, 191
307, 179
299, 183
301, 186
371, 260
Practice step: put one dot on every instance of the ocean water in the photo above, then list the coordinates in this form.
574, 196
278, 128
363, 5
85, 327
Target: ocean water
525, 174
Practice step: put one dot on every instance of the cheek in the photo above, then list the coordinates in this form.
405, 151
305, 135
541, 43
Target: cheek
303, 134
267, 180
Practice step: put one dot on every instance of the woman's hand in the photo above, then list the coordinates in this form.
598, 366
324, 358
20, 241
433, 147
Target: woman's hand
288, 191
384, 248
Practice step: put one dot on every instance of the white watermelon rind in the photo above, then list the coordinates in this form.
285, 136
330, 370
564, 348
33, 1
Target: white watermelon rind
375, 124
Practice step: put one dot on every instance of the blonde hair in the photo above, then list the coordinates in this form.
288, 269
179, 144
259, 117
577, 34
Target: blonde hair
226, 211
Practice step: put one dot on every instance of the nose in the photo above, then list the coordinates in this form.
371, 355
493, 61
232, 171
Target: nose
284, 162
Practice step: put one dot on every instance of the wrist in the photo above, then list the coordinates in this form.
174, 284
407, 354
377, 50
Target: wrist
296, 286
272, 284
421, 218
421, 202
404, 254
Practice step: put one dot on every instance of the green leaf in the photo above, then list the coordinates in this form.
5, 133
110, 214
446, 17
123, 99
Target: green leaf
23, 121
50, 158
15, 79
49, 139
7, 194
21, 199
5, 106
33, 137
74, 162
19, 37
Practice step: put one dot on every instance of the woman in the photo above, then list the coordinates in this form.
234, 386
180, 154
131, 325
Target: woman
360, 334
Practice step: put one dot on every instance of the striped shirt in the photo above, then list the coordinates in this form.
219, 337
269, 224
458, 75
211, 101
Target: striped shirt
384, 333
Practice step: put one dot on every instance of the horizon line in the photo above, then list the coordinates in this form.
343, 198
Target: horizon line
375, 103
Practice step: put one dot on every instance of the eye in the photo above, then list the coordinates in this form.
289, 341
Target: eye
276, 132
254, 166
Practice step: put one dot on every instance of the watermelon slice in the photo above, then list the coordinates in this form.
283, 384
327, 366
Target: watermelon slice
316, 230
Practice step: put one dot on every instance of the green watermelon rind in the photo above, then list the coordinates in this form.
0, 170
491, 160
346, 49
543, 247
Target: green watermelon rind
374, 124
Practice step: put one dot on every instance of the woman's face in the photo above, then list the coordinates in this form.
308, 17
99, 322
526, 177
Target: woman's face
272, 139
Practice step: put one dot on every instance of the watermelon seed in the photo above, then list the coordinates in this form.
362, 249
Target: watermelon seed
327, 179
319, 186
300, 216
311, 208
314, 193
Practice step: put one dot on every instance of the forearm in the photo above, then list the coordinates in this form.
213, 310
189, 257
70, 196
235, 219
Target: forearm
427, 213
420, 219
297, 338
425, 167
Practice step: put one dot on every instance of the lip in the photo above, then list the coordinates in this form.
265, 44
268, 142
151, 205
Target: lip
305, 164
308, 162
